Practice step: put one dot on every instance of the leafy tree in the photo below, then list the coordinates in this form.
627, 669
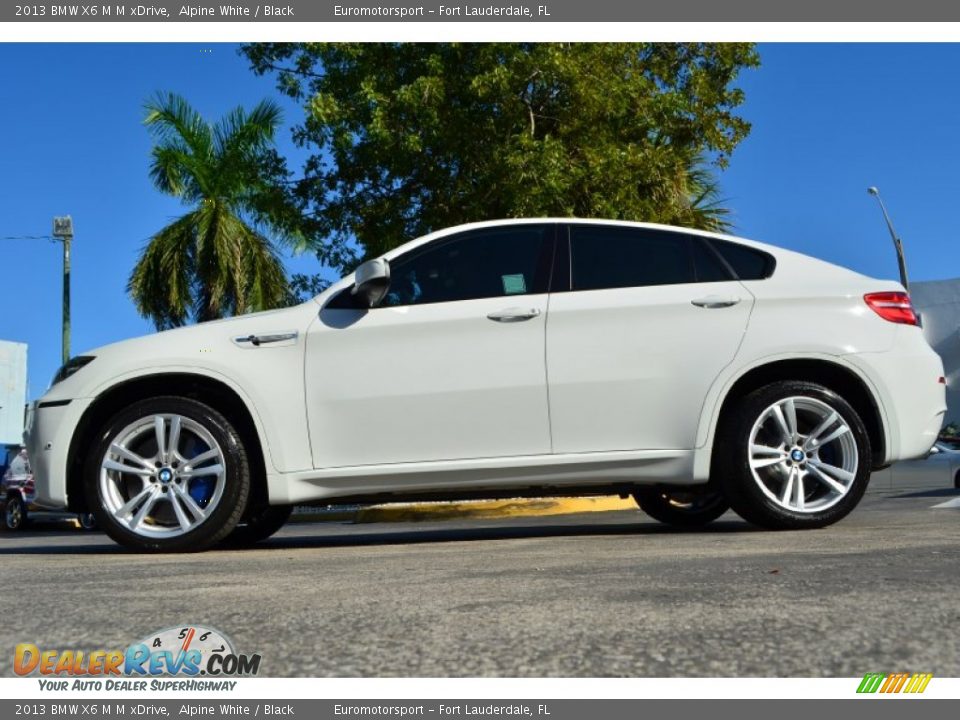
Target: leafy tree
213, 261
412, 137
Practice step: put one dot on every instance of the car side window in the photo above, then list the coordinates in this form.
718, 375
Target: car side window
707, 264
604, 257
493, 262
747, 262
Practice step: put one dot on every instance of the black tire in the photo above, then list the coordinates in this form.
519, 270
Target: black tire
956, 480
732, 473
688, 508
14, 513
228, 511
87, 521
258, 524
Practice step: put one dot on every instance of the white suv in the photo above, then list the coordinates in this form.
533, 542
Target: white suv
694, 371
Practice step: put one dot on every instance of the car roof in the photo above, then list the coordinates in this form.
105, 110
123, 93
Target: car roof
574, 221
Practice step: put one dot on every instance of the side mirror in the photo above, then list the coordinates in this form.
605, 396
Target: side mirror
371, 281
934, 450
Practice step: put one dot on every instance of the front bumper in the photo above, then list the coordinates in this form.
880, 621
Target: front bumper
49, 433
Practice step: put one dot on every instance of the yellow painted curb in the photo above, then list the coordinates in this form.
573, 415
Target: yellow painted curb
487, 509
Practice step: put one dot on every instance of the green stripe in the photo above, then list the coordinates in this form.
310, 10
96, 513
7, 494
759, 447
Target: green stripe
871, 683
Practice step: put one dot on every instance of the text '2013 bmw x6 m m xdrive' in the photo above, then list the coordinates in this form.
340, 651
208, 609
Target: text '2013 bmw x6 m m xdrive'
695, 371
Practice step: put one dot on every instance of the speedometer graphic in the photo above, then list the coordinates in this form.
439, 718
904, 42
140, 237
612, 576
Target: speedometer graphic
197, 642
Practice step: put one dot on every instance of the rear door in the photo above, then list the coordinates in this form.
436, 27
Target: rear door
649, 319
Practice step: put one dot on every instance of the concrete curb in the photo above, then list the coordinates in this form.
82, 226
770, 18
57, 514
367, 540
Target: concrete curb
490, 509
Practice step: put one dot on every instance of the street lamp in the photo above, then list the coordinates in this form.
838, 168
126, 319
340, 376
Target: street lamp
63, 231
897, 244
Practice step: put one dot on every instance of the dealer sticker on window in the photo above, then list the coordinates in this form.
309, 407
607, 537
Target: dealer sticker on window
514, 284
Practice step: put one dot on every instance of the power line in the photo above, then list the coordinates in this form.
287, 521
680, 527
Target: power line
27, 237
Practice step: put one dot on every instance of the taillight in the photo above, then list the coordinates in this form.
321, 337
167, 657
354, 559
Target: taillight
893, 306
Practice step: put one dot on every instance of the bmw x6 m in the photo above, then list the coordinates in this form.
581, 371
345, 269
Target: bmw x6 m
697, 372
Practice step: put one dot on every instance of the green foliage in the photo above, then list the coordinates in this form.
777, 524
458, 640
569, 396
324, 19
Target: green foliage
213, 261
412, 137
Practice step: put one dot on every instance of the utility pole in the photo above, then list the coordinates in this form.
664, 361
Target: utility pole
63, 231
897, 244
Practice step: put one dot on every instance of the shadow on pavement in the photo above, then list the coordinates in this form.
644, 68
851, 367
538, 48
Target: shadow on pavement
940, 492
319, 535
496, 532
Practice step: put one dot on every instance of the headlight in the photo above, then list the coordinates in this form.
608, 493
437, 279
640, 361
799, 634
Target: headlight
70, 367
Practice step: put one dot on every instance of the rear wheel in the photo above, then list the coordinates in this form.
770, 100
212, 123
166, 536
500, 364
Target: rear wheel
168, 474
14, 513
682, 507
792, 455
258, 524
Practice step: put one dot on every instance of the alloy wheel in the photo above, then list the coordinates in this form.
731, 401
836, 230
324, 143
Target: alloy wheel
803, 454
162, 476
14, 514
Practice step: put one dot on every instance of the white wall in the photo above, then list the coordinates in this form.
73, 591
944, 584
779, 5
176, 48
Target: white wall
938, 303
13, 391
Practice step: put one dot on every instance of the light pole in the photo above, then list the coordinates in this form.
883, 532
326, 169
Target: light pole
897, 244
63, 231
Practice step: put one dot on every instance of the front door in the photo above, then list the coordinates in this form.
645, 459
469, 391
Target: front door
450, 366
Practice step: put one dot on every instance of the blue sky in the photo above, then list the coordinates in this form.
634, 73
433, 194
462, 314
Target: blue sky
828, 120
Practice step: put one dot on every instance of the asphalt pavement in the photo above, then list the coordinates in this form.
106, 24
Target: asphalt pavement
597, 594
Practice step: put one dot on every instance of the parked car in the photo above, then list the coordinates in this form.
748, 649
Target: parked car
693, 370
18, 493
951, 442
937, 470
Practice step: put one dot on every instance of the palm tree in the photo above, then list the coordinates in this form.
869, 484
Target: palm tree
213, 261
686, 192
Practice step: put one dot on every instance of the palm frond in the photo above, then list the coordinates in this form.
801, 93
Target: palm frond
171, 119
160, 283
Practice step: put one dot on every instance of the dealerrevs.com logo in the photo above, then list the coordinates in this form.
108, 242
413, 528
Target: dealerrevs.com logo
186, 651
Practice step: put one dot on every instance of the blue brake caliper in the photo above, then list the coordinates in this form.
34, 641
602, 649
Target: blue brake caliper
201, 488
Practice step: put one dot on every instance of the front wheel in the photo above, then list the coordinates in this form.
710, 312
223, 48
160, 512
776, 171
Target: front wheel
792, 455
168, 474
680, 507
15, 513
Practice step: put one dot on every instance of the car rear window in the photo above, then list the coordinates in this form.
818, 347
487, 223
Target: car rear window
748, 263
707, 263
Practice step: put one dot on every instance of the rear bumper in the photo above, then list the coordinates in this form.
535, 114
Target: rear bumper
49, 433
913, 401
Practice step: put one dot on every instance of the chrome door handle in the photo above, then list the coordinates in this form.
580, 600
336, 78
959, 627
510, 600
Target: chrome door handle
514, 314
258, 340
715, 301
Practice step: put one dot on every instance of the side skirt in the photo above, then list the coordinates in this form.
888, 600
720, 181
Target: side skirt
525, 476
